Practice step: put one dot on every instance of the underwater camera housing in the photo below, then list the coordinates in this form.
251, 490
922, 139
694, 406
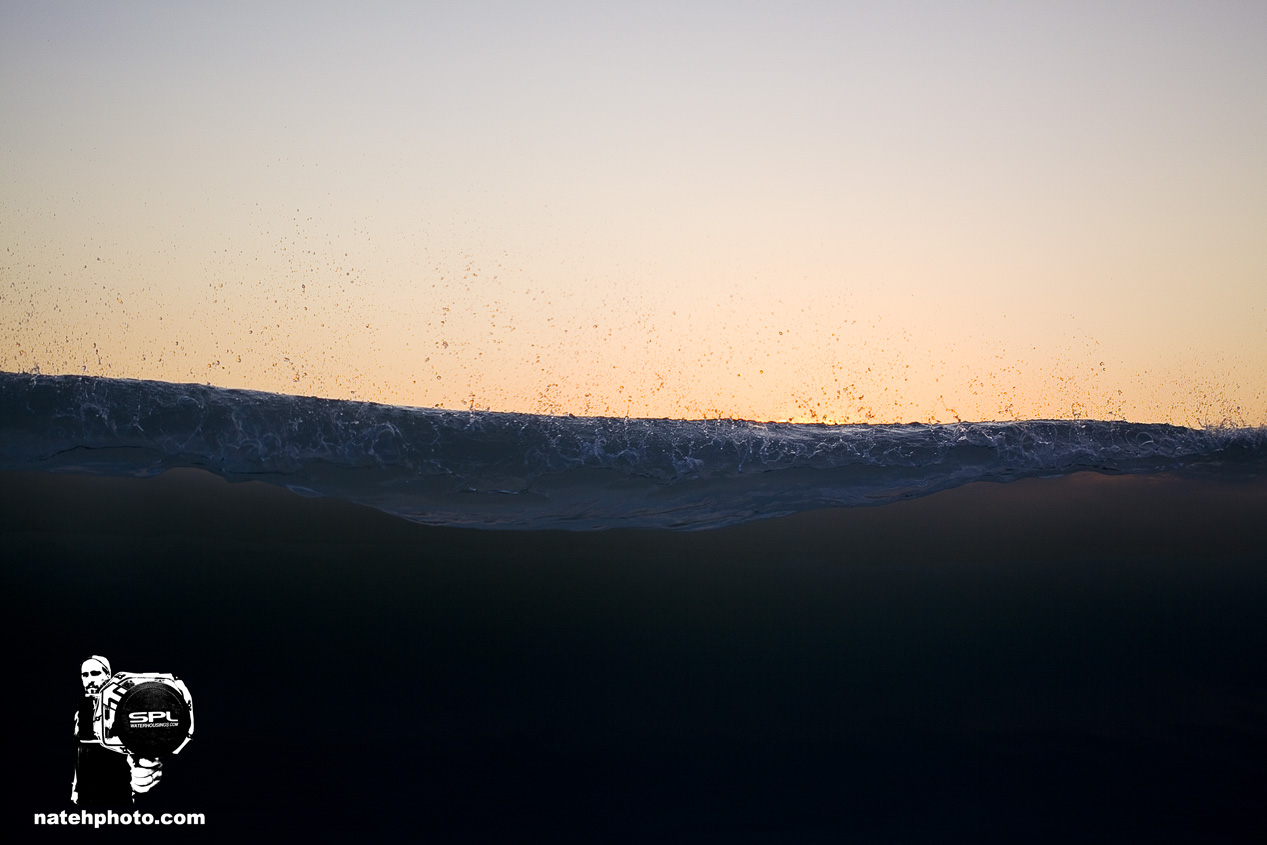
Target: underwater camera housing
148, 714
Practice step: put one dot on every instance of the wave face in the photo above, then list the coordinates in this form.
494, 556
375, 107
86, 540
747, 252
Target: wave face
502, 470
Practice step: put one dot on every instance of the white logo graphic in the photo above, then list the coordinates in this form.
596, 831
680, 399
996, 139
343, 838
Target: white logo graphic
151, 716
121, 758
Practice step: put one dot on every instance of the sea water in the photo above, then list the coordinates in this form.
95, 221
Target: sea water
696, 630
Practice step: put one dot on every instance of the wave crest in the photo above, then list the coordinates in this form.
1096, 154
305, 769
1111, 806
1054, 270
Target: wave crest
502, 470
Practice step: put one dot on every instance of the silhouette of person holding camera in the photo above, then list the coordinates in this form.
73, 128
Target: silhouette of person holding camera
104, 778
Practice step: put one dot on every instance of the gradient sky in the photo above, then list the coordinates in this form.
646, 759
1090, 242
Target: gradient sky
882, 212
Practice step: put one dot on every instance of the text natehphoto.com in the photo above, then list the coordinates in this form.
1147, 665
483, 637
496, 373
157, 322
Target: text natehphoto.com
111, 817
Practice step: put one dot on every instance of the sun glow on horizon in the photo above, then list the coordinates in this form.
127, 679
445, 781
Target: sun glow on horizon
887, 214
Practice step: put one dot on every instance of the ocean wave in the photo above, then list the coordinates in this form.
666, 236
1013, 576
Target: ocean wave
507, 470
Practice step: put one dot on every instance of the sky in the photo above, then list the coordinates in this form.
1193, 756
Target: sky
809, 211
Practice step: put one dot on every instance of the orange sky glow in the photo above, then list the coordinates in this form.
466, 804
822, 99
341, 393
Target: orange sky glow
833, 212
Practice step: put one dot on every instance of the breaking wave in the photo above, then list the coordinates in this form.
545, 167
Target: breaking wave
505, 470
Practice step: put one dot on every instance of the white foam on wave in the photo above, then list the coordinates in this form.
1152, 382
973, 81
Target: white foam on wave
532, 471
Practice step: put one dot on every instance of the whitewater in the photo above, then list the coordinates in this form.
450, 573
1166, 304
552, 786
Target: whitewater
522, 471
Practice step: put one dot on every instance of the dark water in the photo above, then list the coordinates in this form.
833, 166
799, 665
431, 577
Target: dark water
1074, 658
495, 470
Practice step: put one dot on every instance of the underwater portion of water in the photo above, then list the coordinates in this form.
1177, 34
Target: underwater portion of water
1079, 658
